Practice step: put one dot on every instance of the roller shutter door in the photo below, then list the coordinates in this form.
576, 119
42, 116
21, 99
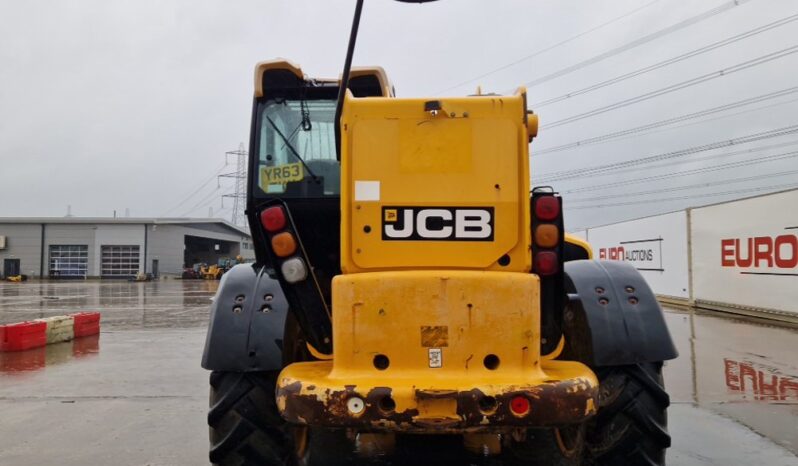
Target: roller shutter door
68, 260
119, 261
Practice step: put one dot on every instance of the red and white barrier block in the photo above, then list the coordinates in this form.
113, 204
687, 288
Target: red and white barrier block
22, 336
59, 328
86, 323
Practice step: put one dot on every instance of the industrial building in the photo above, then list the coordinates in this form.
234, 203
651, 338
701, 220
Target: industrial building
72, 247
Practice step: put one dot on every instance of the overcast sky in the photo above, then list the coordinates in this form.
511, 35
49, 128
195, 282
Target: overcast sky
107, 105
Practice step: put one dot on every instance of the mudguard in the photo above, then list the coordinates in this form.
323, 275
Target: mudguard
612, 316
247, 322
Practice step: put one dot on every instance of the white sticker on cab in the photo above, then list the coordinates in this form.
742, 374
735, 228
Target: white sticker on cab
367, 190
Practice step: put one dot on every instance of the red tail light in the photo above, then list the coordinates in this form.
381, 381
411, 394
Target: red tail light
519, 405
273, 219
546, 263
547, 208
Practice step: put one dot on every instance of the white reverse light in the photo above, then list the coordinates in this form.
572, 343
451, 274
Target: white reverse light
294, 270
355, 405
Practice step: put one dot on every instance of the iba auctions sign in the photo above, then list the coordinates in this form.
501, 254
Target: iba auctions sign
644, 254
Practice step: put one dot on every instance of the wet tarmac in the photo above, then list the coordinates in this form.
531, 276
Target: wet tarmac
136, 395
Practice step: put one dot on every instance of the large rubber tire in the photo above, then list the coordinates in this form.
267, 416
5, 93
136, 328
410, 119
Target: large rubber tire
549, 447
631, 426
245, 426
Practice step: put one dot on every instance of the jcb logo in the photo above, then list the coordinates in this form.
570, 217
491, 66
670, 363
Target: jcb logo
437, 223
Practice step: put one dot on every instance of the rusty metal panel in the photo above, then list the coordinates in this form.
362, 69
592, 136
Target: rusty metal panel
388, 372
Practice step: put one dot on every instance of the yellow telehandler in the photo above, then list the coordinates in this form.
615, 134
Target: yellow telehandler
415, 300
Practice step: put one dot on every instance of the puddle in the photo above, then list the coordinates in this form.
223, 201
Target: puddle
49, 356
123, 305
744, 370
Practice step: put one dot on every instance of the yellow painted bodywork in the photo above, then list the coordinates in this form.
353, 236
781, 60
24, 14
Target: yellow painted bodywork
434, 308
581, 243
391, 314
277, 64
296, 70
384, 312
376, 71
472, 153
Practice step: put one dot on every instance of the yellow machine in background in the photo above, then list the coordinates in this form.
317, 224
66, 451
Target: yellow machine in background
211, 272
215, 271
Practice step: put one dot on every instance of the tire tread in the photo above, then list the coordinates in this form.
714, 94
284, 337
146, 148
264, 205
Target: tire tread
243, 428
631, 429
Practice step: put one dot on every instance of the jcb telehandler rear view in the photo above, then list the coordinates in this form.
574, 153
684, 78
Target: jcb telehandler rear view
409, 284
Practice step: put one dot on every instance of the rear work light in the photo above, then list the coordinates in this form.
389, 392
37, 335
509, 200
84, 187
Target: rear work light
294, 270
546, 263
273, 219
547, 208
283, 244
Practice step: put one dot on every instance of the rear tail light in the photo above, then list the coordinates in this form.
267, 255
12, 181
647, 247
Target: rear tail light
547, 208
273, 219
519, 405
546, 263
547, 232
283, 244
547, 235
548, 243
294, 270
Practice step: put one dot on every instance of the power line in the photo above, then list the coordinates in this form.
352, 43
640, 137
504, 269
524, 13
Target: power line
550, 47
699, 159
712, 168
638, 42
666, 122
772, 188
203, 202
193, 193
676, 87
721, 117
685, 187
670, 61
590, 171
218, 213
618, 167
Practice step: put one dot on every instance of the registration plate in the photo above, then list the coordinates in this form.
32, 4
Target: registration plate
281, 174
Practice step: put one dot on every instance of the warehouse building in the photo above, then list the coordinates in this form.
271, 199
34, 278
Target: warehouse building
72, 247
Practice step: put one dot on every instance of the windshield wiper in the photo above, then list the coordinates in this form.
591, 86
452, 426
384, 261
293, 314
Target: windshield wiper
293, 150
